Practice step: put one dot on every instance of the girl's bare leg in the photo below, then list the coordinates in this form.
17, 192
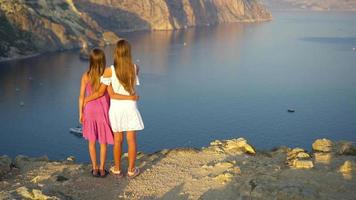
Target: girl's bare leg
131, 141
92, 153
118, 138
103, 148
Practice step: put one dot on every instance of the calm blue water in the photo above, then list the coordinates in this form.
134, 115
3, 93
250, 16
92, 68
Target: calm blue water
228, 81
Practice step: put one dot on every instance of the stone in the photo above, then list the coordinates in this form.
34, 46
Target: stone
298, 158
303, 164
20, 161
322, 145
294, 152
71, 159
40, 178
303, 155
324, 158
5, 165
345, 148
239, 144
34, 194
215, 143
224, 178
346, 167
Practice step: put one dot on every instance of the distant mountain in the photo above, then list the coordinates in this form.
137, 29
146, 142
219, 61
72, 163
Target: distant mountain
319, 5
28, 27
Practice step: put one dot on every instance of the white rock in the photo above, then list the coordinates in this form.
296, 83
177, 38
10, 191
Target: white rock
322, 145
303, 155
346, 167
223, 178
303, 164
324, 158
39, 178
71, 159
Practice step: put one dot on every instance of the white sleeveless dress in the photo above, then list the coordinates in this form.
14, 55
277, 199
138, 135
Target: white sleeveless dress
123, 114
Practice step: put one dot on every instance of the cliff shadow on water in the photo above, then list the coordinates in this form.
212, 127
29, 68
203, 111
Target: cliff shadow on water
113, 18
204, 15
177, 13
183, 16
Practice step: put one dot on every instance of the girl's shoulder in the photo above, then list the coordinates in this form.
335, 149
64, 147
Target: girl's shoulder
85, 77
107, 72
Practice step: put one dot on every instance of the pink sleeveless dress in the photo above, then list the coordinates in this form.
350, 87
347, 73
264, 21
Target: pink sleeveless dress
96, 125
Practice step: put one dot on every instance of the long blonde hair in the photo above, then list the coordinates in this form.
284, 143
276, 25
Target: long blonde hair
97, 63
124, 67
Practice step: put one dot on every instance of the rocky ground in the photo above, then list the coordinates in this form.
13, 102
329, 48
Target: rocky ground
230, 169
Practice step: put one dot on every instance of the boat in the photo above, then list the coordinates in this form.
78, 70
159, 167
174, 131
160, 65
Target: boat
291, 110
76, 131
84, 52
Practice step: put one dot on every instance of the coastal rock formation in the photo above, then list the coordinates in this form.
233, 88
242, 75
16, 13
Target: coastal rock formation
317, 5
127, 15
5, 165
188, 174
299, 159
31, 27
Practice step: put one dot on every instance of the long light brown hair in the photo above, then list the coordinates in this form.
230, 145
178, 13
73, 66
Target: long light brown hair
97, 63
124, 67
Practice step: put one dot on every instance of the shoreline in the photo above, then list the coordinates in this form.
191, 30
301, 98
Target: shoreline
9, 59
226, 169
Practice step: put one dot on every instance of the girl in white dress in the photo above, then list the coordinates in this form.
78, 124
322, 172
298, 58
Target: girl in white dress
123, 114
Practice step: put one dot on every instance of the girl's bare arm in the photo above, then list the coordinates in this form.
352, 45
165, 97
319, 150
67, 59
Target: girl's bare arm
114, 95
81, 98
102, 89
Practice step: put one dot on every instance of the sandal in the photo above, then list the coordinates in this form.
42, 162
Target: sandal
116, 173
103, 173
133, 174
95, 172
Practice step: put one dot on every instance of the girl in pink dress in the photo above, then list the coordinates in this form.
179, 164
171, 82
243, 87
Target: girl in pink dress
94, 103
94, 114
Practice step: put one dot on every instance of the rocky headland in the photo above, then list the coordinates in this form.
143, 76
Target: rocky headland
33, 27
229, 169
315, 5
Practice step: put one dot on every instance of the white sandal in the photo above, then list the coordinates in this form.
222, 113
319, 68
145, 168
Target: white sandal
133, 174
116, 173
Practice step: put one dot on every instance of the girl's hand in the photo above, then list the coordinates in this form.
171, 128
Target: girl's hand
85, 101
81, 118
135, 97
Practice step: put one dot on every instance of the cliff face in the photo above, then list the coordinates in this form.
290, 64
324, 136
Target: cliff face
29, 27
171, 14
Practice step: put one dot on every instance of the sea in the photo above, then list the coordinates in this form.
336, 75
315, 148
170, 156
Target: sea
198, 85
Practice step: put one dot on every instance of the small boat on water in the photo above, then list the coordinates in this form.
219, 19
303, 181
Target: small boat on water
78, 131
84, 52
291, 110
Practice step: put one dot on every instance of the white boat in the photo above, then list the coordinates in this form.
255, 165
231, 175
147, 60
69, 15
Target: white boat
77, 130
